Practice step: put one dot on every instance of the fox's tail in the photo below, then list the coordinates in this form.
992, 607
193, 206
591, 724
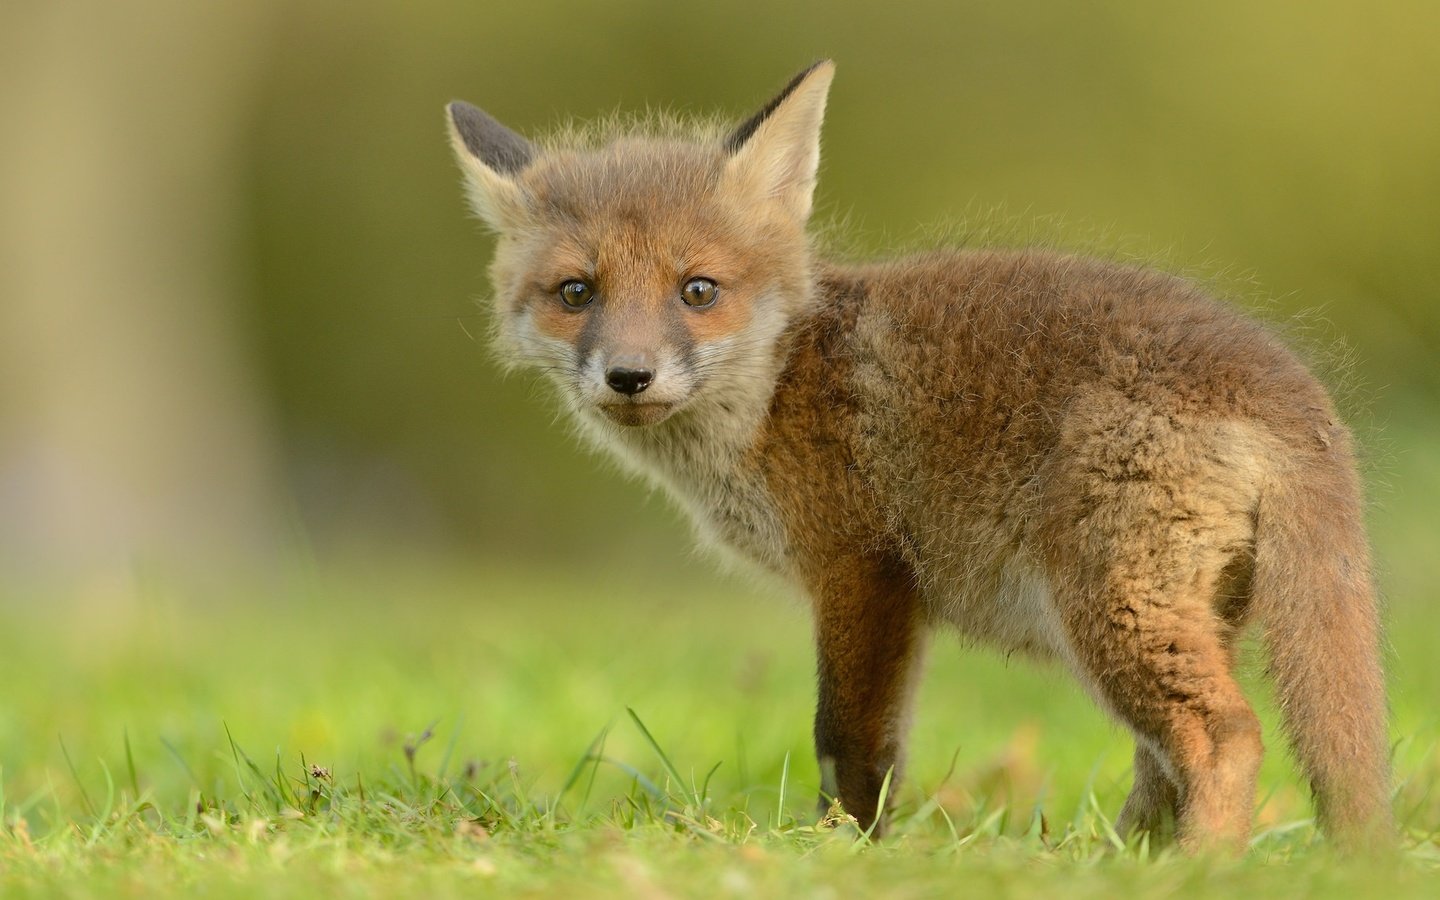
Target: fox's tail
1314, 595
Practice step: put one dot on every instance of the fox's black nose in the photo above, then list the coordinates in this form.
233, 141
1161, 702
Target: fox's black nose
629, 381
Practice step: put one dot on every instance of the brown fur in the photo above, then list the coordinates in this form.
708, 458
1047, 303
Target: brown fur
1091, 463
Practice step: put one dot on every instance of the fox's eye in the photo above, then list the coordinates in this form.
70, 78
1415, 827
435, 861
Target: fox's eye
699, 292
576, 294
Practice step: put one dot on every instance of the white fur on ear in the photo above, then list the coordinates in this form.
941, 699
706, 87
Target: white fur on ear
490, 155
776, 152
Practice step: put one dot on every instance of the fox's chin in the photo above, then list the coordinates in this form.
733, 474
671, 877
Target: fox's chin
634, 415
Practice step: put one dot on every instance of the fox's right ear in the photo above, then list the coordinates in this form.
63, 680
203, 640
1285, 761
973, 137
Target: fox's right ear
491, 155
776, 152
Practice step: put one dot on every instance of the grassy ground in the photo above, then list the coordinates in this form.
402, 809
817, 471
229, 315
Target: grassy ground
406, 729
435, 735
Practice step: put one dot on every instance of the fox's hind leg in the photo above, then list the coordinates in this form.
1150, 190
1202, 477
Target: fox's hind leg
1154, 802
1152, 651
1143, 524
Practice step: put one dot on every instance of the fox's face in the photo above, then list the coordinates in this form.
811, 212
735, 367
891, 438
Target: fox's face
648, 274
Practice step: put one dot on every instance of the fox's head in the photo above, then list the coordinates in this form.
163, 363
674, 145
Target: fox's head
646, 273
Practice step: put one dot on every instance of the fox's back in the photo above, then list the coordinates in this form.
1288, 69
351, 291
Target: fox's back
936, 397
981, 353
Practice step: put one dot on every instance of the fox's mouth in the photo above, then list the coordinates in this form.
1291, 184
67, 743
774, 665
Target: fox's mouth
635, 412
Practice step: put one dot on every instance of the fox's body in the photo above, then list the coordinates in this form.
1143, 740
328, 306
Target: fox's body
1085, 462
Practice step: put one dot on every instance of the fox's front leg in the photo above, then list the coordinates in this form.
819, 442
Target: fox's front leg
869, 631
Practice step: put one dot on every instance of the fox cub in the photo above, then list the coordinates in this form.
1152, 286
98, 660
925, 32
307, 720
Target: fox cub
1089, 462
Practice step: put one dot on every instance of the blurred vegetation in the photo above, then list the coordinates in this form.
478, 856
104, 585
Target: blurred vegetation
1285, 150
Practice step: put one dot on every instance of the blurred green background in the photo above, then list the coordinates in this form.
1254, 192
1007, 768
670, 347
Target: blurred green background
241, 295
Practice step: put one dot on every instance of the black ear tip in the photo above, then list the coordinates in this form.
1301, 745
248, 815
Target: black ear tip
460, 111
493, 143
740, 135
823, 62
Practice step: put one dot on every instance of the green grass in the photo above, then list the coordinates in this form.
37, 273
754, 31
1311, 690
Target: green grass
405, 733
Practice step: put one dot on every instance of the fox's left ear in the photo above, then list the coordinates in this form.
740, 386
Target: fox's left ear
776, 152
491, 156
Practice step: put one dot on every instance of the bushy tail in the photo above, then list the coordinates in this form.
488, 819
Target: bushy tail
1314, 594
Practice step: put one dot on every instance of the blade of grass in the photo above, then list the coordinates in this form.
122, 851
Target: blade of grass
130, 766
704, 797
239, 773
274, 790
784, 779
1106, 829
585, 761
880, 802
655, 745
183, 764
650, 787
74, 774
101, 823
598, 758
